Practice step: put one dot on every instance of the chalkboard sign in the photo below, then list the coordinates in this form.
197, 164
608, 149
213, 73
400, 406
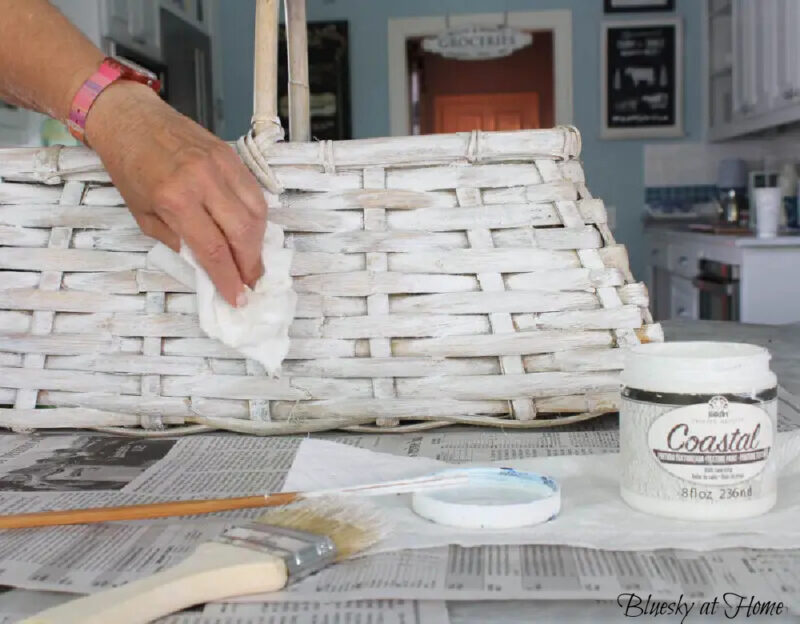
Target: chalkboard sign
642, 79
328, 78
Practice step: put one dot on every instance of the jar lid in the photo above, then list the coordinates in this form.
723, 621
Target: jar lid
492, 498
698, 367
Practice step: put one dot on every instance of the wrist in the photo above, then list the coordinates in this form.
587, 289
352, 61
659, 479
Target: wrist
115, 108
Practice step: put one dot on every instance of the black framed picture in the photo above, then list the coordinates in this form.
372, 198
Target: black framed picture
328, 78
642, 79
638, 6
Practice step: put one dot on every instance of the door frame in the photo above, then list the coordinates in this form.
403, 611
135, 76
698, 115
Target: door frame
401, 29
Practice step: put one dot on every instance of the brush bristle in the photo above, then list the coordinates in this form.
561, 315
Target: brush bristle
353, 527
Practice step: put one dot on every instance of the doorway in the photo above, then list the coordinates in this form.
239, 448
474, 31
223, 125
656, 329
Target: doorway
530, 88
513, 92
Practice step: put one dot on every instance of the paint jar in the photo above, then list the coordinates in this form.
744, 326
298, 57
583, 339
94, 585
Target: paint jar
698, 424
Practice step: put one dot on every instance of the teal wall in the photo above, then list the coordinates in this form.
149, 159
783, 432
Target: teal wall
614, 169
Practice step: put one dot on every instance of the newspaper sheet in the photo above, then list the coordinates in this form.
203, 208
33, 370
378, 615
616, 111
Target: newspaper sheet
788, 410
555, 572
598, 612
353, 612
46, 472
18, 604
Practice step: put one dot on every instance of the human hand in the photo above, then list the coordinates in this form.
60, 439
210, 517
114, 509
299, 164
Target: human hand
181, 182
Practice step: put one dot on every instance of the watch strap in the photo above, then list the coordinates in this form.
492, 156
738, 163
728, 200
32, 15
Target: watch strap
109, 72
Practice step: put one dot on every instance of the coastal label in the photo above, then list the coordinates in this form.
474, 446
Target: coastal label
716, 443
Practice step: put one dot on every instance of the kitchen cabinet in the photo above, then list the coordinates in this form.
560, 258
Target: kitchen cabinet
764, 269
683, 299
133, 23
669, 279
196, 12
786, 42
753, 76
135, 29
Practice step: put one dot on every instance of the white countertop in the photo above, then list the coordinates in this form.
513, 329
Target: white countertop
785, 240
729, 240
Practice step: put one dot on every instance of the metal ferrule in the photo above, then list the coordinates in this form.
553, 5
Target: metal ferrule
304, 553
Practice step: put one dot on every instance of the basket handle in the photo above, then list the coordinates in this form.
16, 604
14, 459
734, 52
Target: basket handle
265, 75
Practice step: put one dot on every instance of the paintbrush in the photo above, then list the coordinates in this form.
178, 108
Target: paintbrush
166, 509
283, 546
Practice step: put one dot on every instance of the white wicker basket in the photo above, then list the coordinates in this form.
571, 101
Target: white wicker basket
463, 278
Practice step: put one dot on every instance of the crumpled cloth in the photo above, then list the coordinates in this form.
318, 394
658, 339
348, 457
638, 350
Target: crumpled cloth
258, 330
593, 515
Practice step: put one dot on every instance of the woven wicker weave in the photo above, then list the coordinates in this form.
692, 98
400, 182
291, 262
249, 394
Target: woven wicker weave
463, 278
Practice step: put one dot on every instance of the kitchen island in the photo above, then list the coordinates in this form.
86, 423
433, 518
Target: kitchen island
698, 275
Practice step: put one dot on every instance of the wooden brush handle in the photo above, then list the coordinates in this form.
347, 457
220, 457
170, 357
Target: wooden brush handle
143, 512
214, 572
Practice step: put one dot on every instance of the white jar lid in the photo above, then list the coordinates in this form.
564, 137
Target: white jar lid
701, 367
492, 498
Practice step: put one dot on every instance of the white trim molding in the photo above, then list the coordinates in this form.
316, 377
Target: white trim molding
401, 29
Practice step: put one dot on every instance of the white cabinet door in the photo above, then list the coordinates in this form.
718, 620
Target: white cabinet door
720, 53
116, 19
682, 259
118, 12
754, 57
657, 251
134, 23
769, 45
762, 89
787, 51
684, 301
748, 58
143, 22
758, 48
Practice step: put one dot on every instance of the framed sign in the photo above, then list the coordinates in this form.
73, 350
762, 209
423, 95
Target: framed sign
328, 80
638, 6
477, 42
642, 79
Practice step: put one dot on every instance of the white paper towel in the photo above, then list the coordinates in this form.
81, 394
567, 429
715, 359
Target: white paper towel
592, 514
259, 329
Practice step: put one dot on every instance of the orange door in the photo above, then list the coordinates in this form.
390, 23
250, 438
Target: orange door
486, 111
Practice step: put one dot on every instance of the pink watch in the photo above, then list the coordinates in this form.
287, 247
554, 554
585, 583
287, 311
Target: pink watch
111, 70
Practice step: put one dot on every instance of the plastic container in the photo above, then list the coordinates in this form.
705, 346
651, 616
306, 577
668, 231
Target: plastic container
492, 498
768, 211
698, 423
732, 174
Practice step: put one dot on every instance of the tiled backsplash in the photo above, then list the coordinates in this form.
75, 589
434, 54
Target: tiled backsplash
687, 171
692, 194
